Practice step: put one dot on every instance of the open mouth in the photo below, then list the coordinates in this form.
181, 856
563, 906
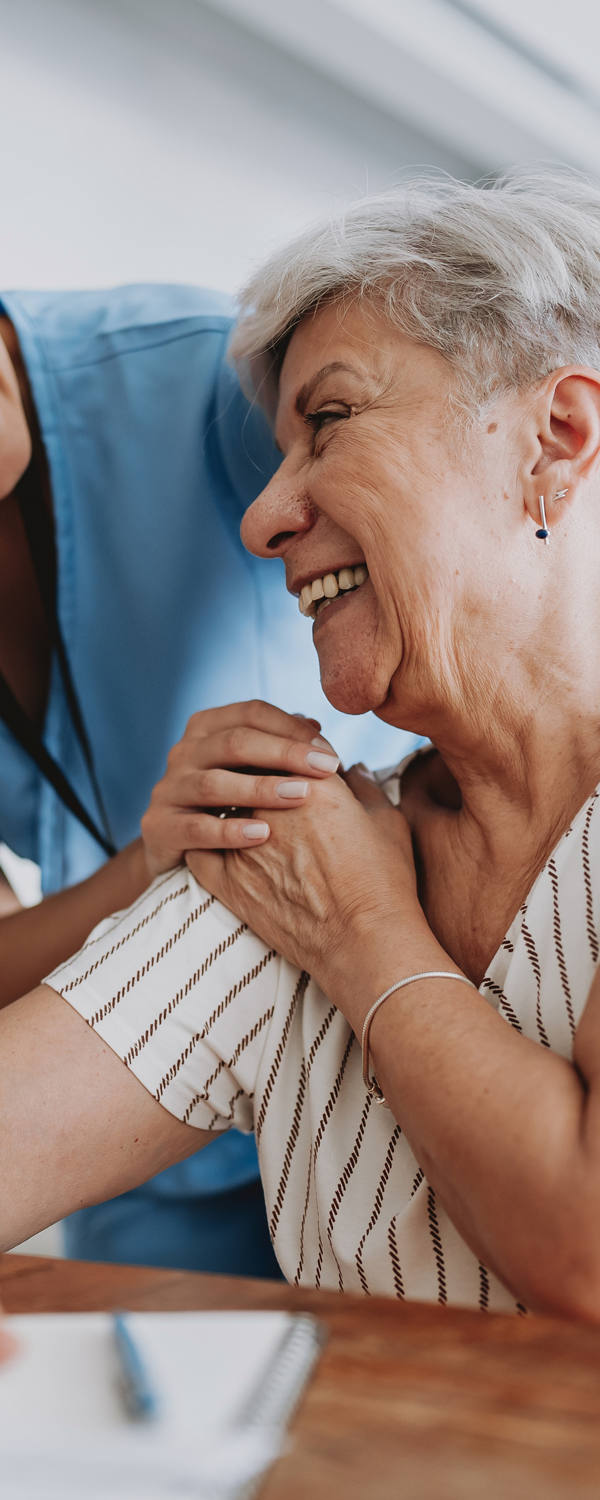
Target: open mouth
315, 596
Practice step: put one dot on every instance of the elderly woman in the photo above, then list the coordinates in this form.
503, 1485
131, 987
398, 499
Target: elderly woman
400, 999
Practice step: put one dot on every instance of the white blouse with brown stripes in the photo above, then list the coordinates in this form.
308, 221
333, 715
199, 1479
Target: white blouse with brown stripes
224, 1032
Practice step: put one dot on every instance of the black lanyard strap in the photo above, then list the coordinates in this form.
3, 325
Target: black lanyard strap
40, 539
27, 735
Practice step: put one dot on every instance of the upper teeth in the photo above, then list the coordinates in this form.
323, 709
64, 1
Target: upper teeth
329, 586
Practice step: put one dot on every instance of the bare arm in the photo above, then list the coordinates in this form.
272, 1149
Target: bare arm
507, 1132
77, 1126
203, 774
35, 939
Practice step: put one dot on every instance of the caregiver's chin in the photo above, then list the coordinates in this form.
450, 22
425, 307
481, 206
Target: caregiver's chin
464, 609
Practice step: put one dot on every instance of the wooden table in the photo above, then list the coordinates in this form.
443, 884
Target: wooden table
409, 1401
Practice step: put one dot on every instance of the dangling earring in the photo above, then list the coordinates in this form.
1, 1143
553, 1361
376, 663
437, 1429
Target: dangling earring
543, 533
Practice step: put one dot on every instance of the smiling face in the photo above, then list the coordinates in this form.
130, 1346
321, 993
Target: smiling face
392, 520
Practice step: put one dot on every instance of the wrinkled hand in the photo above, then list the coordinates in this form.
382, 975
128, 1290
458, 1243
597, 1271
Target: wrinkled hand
341, 864
207, 772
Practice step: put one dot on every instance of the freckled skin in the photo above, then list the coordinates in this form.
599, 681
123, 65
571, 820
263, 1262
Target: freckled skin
390, 479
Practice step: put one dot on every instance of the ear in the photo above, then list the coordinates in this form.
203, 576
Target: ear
566, 452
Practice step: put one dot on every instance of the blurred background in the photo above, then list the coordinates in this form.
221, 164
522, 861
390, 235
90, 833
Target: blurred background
179, 140
176, 139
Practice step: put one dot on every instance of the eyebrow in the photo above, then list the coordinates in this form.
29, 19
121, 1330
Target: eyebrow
308, 389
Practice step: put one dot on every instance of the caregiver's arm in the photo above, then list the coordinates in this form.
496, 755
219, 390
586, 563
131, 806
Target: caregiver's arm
76, 1126
37, 938
207, 769
507, 1132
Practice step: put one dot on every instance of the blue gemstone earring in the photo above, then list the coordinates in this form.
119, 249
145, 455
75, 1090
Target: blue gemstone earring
543, 533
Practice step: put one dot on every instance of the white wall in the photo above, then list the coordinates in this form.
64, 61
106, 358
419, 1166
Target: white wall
155, 139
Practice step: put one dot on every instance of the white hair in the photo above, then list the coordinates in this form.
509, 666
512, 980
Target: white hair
501, 278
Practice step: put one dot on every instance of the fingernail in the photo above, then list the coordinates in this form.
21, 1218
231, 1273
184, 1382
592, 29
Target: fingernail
322, 762
256, 830
292, 789
319, 740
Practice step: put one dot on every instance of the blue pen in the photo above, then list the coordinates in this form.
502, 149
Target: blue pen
137, 1389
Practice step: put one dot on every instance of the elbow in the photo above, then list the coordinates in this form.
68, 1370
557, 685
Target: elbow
577, 1303
566, 1282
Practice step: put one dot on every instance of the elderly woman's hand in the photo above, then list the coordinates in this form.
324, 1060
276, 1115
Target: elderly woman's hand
342, 864
208, 772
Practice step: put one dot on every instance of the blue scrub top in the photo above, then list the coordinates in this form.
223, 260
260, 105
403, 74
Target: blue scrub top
154, 454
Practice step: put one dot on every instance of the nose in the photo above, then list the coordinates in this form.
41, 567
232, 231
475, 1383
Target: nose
279, 514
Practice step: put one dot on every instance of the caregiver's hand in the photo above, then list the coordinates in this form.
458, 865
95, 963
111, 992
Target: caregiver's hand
338, 870
208, 773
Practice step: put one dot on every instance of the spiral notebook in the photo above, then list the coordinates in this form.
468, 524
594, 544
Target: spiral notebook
227, 1384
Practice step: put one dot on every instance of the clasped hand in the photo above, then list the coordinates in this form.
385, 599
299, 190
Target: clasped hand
208, 795
335, 857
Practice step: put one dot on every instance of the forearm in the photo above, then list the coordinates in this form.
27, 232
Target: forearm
497, 1123
33, 941
77, 1126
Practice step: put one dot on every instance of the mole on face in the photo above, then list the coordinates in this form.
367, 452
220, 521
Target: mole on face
493, 427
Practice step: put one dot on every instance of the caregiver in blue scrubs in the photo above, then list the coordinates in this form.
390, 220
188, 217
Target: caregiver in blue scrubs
127, 605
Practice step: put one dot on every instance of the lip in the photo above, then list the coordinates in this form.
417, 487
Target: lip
334, 606
296, 585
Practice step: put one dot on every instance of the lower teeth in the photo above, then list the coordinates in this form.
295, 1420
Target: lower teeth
322, 603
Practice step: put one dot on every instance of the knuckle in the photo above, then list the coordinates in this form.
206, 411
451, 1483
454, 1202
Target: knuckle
256, 708
161, 793
293, 756
262, 790
189, 831
202, 786
235, 741
195, 721
232, 834
328, 790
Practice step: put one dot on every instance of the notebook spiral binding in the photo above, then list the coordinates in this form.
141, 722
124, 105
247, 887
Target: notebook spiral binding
273, 1404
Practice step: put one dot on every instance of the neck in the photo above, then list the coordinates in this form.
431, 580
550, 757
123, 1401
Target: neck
523, 744
24, 638
10, 340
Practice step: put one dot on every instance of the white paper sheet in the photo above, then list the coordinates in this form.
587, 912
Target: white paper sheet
226, 1383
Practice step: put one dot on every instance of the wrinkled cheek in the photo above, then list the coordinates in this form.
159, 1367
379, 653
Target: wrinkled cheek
350, 492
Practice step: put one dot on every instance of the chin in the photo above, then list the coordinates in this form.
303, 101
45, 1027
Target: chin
353, 662
351, 692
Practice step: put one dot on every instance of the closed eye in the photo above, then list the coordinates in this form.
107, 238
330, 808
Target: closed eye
316, 420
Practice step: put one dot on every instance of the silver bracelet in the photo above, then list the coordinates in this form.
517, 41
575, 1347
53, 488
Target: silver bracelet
371, 1084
